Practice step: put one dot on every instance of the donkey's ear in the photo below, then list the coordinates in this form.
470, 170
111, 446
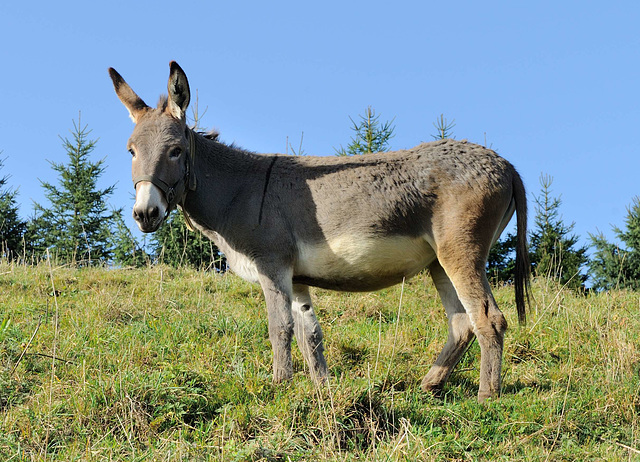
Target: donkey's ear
179, 94
132, 102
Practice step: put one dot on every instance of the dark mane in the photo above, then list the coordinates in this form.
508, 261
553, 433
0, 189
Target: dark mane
213, 135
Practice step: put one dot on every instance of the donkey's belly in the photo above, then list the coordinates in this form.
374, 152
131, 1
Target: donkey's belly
361, 263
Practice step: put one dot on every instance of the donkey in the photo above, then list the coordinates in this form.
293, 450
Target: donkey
340, 223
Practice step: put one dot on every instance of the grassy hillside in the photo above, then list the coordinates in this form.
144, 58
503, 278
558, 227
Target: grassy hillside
164, 364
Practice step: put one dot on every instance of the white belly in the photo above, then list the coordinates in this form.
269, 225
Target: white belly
346, 263
354, 257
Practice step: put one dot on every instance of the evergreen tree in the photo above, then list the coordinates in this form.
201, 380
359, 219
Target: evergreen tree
176, 245
553, 251
612, 266
444, 127
12, 228
127, 250
77, 225
370, 136
501, 264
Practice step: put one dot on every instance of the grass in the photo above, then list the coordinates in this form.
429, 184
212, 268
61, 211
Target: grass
172, 365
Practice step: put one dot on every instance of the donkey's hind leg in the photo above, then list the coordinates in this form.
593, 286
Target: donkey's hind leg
308, 332
460, 332
468, 276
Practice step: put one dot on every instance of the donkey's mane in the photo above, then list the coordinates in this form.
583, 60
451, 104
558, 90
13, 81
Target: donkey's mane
213, 135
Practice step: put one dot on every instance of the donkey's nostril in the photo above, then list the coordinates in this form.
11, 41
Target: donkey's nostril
146, 215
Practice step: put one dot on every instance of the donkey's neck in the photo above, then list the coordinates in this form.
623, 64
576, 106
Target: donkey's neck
230, 183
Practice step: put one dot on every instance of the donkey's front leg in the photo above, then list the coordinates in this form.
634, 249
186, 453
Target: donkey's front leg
308, 333
277, 293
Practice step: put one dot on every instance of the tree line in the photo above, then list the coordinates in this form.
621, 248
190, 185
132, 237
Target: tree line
78, 225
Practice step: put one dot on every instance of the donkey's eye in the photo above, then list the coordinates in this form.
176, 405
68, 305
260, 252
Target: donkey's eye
175, 152
132, 152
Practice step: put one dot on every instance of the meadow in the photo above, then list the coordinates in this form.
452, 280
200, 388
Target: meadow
164, 364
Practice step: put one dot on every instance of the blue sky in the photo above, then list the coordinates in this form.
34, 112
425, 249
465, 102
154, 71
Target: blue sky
552, 86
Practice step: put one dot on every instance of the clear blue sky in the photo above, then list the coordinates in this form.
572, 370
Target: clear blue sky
552, 86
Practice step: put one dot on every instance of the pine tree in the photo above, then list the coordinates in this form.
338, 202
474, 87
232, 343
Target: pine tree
613, 266
444, 127
501, 264
176, 245
127, 251
12, 228
370, 136
553, 251
77, 225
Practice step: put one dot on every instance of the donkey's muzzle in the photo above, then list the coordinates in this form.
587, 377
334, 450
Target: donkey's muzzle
150, 208
149, 220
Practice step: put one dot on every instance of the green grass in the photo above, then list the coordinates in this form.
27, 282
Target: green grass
164, 364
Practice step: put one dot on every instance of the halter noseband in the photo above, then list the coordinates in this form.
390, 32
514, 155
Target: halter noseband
174, 194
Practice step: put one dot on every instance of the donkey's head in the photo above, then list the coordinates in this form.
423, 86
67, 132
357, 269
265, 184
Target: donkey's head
160, 145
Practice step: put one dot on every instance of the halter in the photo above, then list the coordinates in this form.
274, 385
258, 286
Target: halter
174, 194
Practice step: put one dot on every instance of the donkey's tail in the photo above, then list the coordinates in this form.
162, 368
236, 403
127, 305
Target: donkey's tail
523, 267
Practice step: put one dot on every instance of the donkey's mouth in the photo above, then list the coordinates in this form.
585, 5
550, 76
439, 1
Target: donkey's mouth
149, 222
149, 227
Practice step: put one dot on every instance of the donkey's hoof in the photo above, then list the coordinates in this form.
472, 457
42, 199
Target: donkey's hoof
282, 376
485, 395
436, 389
320, 378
